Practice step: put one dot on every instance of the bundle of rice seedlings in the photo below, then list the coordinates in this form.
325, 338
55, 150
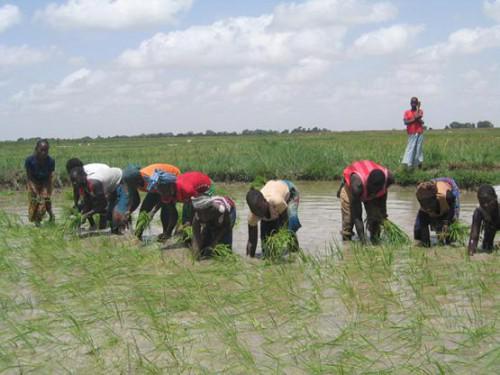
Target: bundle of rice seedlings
187, 233
73, 222
223, 252
280, 244
458, 232
143, 223
394, 235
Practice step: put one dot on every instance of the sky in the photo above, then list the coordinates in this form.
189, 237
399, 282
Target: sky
74, 68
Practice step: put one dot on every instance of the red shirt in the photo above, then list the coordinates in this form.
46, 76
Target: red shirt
415, 127
363, 169
189, 185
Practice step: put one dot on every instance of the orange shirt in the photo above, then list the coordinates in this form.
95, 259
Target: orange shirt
148, 171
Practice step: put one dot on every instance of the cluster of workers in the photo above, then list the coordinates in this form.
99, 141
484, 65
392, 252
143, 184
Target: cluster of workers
113, 195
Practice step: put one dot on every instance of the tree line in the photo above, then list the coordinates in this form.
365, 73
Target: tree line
470, 125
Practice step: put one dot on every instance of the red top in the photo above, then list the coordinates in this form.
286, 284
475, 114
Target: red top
415, 127
363, 169
189, 185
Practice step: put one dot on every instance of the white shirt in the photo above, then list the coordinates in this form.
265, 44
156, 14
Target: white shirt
109, 177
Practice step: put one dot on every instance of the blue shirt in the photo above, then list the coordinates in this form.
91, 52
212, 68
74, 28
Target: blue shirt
39, 172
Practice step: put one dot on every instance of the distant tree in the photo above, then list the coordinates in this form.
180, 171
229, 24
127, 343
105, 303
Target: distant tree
484, 125
462, 125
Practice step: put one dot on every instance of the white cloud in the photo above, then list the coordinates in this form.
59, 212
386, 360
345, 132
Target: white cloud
10, 15
242, 85
112, 14
386, 40
291, 33
307, 69
492, 9
235, 42
318, 13
20, 55
462, 42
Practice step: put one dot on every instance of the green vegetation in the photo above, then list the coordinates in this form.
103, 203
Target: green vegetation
394, 235
471, 157
281, 243
143, 222
112, 305
459, 232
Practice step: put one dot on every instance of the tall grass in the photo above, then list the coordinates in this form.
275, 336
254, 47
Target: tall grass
109, 304
470, 156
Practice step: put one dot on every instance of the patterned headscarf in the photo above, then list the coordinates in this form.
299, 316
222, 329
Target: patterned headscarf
161, 178
222, 204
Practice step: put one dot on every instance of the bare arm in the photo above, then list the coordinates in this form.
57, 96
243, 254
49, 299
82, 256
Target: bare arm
356, 208
221, 229
475, 229
197, 240
253, 232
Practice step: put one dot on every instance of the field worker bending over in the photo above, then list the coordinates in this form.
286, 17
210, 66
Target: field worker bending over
97, 185
152, 179
186, 186
486, 215
276, 207
364, 182
40, 170
439, 201
213, 223
89, 170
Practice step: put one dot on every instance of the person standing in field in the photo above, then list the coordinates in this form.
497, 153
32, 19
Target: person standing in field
439, 201
152, 179
413, 119
40, 169
276, 207
364, 182
487, 215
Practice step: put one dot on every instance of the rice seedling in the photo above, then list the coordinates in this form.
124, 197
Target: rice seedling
393, 234
143, 222
280, 244
459, 232
112, 305
473, 160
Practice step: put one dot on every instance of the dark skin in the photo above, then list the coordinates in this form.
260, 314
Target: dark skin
356, 207
205, 221
94, 201
427, 215
261, 210
417, 116
41, 154
488, 216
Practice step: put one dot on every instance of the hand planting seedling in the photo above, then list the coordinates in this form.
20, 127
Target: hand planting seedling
394, 235
143, 223
280, 244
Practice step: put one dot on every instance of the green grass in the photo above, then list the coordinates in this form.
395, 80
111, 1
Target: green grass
471, 157
111, 304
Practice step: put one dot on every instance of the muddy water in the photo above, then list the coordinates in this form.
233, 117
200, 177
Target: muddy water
319, 212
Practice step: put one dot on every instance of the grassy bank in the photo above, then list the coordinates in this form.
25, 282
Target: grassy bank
113, 305
470, 156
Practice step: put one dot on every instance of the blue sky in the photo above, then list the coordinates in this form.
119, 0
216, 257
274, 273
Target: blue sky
99, 67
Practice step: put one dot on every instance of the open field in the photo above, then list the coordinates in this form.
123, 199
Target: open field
470, 156
108, 304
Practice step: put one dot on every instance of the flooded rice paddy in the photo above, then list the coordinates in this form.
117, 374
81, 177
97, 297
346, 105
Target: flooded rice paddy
109, 304
319, 212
